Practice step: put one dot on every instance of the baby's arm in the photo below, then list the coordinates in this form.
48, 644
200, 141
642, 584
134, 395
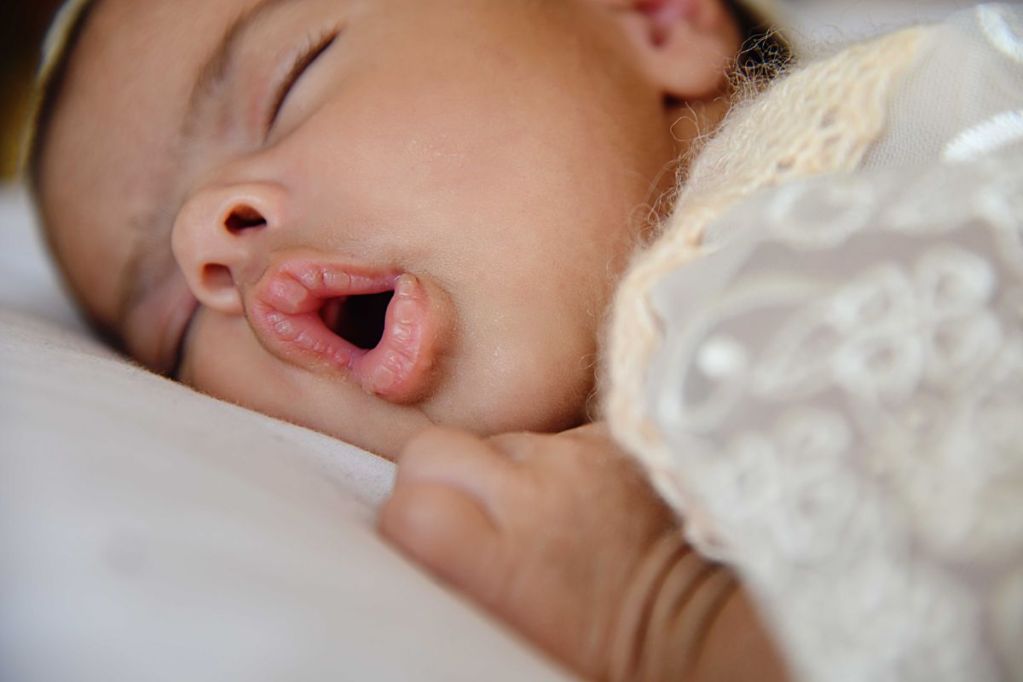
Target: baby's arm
562, 538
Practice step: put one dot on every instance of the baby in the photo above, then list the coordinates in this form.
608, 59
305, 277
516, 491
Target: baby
377, 217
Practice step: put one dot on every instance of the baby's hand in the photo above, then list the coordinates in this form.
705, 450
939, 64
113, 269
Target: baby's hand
562, 538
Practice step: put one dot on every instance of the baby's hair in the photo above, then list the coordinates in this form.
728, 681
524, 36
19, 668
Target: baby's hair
765, 52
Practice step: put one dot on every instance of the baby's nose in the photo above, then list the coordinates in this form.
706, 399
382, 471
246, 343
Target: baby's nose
220, 240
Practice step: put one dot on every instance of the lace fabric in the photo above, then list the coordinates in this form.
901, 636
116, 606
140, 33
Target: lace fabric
849, 407
835, 394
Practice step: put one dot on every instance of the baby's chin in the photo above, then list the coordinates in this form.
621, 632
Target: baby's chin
482, 403
400, 338
387, 430
528, 403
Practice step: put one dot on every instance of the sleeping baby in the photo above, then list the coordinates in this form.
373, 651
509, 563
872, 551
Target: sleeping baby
402, 223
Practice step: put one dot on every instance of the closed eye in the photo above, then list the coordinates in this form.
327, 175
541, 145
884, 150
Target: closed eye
304, 58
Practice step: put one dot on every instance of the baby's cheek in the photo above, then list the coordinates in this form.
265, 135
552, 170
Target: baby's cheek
224, 359
535, 378
537, 398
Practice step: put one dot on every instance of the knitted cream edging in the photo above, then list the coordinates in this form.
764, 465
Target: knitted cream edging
820, 119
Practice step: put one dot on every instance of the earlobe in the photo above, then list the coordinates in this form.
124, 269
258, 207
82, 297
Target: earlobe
219, 235
685, 47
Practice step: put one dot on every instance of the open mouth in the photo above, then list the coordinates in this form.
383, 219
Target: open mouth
359, 320
377, 327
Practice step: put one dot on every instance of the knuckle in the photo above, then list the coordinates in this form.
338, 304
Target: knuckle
436, 447
413, 513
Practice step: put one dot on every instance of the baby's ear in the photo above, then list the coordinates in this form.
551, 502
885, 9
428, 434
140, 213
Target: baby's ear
686, 47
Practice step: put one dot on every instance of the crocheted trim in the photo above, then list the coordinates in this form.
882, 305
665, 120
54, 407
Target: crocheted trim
820, 119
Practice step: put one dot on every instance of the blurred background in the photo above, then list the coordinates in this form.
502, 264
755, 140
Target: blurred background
22, 25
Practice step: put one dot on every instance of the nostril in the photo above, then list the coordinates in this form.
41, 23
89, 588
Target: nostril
217, 277
244, 218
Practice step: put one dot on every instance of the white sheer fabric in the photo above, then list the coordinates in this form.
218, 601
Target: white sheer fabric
841, 383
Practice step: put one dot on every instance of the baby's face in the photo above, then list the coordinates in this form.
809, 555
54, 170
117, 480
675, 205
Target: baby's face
365, 216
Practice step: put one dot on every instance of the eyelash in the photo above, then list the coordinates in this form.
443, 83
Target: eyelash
314, 47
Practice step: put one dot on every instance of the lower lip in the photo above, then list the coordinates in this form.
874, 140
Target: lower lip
285, 309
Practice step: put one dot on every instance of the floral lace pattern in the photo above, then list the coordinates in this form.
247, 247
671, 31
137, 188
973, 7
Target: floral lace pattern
850, 404
840, 388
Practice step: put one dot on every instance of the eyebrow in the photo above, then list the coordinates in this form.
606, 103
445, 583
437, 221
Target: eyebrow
214, 72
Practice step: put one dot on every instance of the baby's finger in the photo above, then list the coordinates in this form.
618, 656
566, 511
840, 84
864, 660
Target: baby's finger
593, 431
444, 530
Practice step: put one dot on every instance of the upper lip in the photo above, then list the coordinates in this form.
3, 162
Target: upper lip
284, 308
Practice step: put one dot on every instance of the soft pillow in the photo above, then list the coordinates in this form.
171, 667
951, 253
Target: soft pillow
27, 280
